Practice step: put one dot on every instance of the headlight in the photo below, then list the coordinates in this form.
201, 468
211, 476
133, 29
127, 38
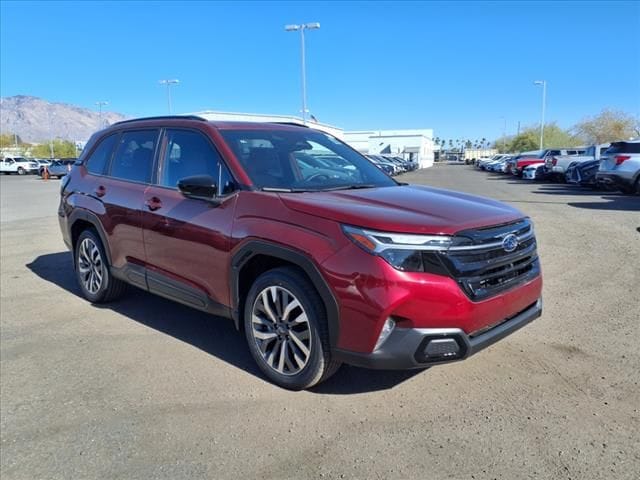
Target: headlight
406, 252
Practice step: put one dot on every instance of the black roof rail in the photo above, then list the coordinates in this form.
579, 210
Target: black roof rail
291, 123
163, 117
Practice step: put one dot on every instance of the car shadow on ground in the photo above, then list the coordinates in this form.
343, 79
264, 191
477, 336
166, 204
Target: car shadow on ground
213, 335
628, 203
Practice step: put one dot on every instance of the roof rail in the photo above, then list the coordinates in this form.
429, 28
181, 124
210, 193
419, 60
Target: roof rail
163, 117
291, 123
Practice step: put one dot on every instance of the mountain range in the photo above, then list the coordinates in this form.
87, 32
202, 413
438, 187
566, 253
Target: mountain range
36, 120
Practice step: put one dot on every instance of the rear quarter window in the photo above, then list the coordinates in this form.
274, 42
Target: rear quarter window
100, 157
624, 147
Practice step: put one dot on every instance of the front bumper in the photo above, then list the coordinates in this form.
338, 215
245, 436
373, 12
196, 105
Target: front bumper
409, 348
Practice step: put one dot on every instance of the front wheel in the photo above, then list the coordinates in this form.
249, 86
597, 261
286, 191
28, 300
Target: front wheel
21, 171
92, 270
286, 330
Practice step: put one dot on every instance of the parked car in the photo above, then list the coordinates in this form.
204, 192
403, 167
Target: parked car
483, 162
385, 167
18, 165
383, 161
534, 172
317, 271
59, 168
498, 165
620, 167
582, 173
540, 156
557, 165
42, 163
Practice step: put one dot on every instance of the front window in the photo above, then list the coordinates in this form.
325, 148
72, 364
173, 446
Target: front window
302, 160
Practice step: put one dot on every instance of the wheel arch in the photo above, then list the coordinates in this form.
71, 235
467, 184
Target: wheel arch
80, 220
270, 255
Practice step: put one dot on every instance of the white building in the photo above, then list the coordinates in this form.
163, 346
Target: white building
414, 144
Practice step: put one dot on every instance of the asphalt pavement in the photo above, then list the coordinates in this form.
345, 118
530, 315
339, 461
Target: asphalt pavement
145, 388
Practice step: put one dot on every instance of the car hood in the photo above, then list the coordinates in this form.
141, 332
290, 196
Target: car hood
406, 208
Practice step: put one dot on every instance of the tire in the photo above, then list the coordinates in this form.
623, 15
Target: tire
291, 349
633, 189
92, 270
21, 171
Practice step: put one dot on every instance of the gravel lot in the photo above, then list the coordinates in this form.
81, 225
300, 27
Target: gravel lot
145, 388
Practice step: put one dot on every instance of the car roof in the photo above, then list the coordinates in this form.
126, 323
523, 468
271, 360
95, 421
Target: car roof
220, 125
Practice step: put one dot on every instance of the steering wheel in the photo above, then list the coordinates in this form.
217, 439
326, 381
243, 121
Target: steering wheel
317, 176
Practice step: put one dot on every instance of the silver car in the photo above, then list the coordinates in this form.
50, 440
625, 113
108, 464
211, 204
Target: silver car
620, 167
59, 168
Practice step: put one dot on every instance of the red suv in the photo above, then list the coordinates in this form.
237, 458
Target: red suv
313, 251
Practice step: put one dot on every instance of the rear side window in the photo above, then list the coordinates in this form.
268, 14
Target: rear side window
189, 153
133, 159
624, 147
101, 155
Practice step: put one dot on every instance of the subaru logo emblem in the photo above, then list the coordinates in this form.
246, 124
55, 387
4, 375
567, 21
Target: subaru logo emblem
510, 243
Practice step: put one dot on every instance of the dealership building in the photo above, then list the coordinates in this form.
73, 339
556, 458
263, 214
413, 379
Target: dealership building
414, 144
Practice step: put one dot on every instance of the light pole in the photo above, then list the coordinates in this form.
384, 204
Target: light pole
49, 114
544, 104
100, 105
168, 83
301, 28
504, 135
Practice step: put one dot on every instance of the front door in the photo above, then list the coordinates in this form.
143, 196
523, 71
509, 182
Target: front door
187, 241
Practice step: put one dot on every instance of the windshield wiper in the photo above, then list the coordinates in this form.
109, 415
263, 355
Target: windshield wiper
354, 186
283, 190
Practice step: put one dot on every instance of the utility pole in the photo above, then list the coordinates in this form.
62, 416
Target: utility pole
543, 83
168, 83
301, 28
100, 105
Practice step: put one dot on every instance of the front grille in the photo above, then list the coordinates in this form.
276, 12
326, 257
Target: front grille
481, 266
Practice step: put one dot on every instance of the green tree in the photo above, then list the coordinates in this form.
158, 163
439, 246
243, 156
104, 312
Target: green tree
61, 149
608, 126
9, 140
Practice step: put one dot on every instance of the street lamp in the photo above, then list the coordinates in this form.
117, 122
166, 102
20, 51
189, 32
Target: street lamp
49, 115
504, 135
544, 103
168, 83
100, 105
301, 28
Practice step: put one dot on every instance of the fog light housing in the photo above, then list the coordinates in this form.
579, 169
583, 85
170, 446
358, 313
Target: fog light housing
387, 328
442, 348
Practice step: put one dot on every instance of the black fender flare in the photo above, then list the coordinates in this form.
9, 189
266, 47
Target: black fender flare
262, 247
87, 216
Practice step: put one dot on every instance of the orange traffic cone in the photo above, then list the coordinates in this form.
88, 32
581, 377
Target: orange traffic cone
45, 173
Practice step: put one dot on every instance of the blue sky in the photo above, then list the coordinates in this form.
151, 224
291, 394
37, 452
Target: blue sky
454, 67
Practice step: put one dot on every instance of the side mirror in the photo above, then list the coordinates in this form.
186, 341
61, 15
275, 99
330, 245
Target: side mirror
199, 187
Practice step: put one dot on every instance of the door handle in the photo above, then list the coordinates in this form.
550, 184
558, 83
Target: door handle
100, 191
153, 203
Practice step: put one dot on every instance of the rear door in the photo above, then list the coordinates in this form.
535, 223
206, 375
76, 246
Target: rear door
187, 241
121, 191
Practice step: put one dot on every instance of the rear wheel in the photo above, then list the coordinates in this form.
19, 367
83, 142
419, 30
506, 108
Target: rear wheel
92, 270
286, 330
21, 171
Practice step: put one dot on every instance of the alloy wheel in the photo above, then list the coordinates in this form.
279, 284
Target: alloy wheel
281, 330
90, 266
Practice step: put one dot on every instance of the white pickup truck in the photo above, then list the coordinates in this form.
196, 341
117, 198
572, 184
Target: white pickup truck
557, 165
19, 165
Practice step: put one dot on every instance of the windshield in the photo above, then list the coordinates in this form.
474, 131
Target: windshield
302, 160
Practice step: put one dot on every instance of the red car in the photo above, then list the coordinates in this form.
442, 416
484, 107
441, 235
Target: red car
319, 263
540, 156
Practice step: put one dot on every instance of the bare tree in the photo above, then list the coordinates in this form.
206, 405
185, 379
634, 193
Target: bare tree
608, 126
